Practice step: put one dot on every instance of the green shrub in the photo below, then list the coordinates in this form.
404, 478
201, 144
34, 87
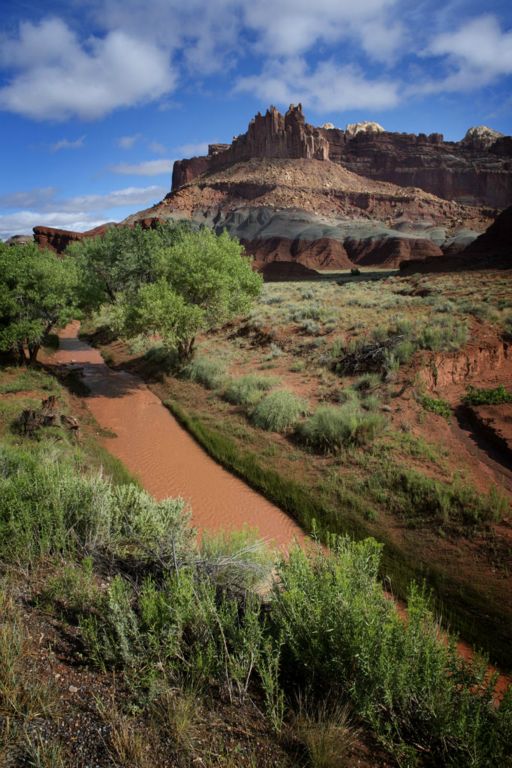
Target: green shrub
475, 396
279, 411
436, 405
207, 371
340, 634
332, 428
443, 335
47, 507
418, 496
247, 390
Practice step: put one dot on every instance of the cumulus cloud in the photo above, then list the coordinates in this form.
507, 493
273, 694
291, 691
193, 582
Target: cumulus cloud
209, 33
293, 27
43, 207
476, 54
22, 222
56, 76
68, 144
146, 168
326, 88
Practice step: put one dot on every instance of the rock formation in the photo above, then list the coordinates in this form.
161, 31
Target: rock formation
59, 239
491, 250
327, 198
321, 215
476, 170
367, 126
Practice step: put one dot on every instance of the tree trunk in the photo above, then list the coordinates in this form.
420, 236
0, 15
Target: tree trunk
186, 349
20, 354
33, 350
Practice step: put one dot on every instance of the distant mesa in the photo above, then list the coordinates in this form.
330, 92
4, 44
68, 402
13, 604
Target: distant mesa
19, 240
474, 171
327, 198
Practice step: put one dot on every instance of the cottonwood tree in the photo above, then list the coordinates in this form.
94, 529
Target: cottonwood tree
37, 292
173, 281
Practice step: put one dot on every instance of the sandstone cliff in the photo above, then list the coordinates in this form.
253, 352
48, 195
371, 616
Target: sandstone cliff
476, 170
491, 250
319, 214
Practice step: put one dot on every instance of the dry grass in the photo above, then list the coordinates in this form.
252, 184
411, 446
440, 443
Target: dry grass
39, 752
326, 733
21, 694
175, 713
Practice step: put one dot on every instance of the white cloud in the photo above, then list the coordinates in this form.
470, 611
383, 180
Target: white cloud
293, 27
22, 222
147, 168
210, 33
68, 144
328, 88
30, 199
127, 142
42, 207
57, 76
476, 54
117, 198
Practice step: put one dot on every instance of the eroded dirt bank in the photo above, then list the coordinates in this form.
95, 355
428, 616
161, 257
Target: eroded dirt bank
168, 462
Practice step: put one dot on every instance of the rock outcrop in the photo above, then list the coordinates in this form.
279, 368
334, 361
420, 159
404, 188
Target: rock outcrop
328, 198
491, 250
476, 170
321, 215
367, 126
59, 239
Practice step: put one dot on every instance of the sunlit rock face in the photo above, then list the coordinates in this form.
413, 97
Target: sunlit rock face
476, 170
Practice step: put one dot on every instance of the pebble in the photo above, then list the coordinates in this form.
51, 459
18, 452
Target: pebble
73, 689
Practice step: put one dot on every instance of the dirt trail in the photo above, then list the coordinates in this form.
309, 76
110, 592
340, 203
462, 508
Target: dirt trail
167, 461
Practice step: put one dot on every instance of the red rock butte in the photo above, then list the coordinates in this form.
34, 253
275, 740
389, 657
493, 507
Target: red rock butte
327, 198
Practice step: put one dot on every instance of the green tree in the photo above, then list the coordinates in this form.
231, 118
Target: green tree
173, 281
159, 309
121, 260
37, 292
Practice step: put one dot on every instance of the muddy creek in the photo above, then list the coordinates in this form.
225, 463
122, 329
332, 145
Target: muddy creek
163, 456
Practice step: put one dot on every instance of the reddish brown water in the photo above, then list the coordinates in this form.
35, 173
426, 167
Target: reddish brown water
167, 461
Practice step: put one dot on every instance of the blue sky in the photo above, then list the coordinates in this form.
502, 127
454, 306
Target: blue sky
98, 97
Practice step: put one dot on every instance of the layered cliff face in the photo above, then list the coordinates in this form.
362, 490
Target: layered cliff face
476, 170
491, 250
321, 215
320, 197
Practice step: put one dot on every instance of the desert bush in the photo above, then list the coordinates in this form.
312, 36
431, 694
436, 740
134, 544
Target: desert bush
340, 633
279, 411
332, 428
207, 371
447, 334
48, 507
436, 405
496, 396
247, 390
